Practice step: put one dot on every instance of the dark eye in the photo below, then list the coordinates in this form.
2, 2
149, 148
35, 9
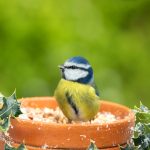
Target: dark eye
73, 67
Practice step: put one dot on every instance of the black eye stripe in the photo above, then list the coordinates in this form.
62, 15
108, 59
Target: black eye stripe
75, 67
71, 67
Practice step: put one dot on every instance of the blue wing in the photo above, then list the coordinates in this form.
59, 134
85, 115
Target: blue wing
96, 88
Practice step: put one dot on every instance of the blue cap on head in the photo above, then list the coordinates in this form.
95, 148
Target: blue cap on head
77, 69
78, 60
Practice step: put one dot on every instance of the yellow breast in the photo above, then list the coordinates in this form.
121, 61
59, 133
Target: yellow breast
77, 101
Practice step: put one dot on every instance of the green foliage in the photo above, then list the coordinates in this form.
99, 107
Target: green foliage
5, 124
128, 147
20, 147
10, 108
142, 114
92, 146
141, 138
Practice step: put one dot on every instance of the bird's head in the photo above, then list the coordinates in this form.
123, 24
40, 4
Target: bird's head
77, 69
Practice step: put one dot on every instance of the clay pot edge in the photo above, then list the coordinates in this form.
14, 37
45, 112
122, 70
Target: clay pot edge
127, 118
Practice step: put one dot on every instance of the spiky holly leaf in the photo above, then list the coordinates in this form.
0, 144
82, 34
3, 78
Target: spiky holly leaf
10, 108
143, 117
141, 138
4, 124
21, 147
138, 129
142, 142
147, 128
142, 114
92, 146
127, 147
142, 108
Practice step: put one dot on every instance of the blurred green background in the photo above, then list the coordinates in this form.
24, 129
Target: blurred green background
38, 35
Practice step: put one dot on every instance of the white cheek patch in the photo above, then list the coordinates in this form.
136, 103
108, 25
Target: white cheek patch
75, 74
86, 66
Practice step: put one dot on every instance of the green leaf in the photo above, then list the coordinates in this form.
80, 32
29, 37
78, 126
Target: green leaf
138, 129
143, 142
144, 108
4, 124
10, 108
92, 146
127, 147
7, 147
147, 128
141, 137
21, 147
143, 117
1, 102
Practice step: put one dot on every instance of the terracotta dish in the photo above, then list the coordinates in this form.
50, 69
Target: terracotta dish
72, 136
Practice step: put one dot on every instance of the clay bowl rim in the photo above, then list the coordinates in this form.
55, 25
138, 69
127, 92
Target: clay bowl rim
127, 118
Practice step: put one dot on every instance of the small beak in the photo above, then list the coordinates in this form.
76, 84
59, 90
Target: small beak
61, 67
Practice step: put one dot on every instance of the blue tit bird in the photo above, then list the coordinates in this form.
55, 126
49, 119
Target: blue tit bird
76, 92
